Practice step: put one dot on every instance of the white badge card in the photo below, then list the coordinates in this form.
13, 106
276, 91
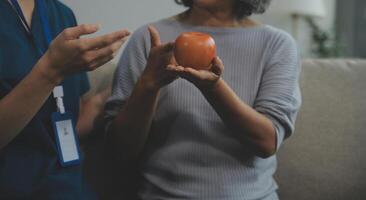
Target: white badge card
66, 139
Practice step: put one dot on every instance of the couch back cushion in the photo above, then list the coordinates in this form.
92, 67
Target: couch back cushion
326, 157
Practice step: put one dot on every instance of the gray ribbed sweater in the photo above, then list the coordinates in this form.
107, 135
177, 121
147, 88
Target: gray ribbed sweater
191, 154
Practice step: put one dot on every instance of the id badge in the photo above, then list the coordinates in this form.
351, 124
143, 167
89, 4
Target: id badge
66, 139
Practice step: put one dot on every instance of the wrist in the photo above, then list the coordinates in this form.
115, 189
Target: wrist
211, 88
47, 72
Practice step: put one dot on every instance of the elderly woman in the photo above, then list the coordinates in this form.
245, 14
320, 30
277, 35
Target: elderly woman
206, 134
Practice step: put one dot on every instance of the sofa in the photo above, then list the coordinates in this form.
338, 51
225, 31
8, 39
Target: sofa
326, 157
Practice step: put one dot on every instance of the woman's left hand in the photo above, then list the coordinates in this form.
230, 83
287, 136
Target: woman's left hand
202, 79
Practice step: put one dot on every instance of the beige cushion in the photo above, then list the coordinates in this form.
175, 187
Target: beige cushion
326, 157
102, 78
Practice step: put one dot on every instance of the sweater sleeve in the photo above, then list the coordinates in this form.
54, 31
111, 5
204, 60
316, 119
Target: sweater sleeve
129, 69
279, 96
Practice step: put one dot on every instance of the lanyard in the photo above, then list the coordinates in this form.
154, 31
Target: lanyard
18, 11
41, 9
58, 92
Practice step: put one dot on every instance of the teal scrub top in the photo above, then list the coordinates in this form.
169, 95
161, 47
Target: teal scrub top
29, 168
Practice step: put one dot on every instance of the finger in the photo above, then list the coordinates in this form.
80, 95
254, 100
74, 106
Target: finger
176, 69
77, 31
166, 48
217, 66
110, 50
106, 52
103, 41
105, 55
100, 62
198, 74
154, 36
173, 60
169, 47
192, 72
171, 71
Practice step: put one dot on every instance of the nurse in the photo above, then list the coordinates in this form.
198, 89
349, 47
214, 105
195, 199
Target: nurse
43, 60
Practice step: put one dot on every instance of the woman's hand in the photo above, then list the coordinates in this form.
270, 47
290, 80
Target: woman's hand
156, 75
202, 79
69, 54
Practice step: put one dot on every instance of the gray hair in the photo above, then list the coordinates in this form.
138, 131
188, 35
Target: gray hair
258, 6
243, 8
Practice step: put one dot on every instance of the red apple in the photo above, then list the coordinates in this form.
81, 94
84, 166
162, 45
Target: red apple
195, 50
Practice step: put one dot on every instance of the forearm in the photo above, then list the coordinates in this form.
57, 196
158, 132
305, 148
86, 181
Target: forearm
249, 124
85, 124
91, 109
24, 101
129, 130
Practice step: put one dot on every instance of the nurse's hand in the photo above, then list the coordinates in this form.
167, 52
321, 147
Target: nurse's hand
155, 74
69, 54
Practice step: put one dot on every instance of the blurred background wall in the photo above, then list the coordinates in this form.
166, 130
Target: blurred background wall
115, 14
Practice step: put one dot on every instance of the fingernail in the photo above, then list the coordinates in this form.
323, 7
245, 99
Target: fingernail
127, 33
97, 26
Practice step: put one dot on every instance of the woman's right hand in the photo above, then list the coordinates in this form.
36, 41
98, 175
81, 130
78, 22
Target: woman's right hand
69, 54
156, 75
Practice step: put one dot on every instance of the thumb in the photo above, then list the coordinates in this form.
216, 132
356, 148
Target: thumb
154, 36
168, 47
